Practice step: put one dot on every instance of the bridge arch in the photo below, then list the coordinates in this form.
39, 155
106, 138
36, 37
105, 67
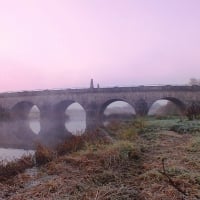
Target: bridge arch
34, 119
22, 109
20, 122
60, 107
141, 107
108, 103
72, 115
176, 102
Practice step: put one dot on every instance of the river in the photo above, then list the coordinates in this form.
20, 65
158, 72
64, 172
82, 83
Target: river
75, 125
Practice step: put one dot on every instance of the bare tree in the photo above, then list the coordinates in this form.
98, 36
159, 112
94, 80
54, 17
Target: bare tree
193, 111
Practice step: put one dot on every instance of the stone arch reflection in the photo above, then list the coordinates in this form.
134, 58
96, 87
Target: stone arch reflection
34, 119
75, 118
19, 123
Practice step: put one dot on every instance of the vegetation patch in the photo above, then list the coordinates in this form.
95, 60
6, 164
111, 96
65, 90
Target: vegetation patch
194, 145
120, 162
151, 175
43, 154
12, 168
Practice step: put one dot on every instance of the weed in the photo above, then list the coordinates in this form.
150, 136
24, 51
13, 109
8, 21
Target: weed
128, 134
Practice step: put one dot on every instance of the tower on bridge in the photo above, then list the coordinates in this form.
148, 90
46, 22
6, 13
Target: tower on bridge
91, 84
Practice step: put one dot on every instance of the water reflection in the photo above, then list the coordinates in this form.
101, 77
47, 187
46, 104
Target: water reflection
76, 116
76, 122
8, 154
34, 119
75, 127
35, 125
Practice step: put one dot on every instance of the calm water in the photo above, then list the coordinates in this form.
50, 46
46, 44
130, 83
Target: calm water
11, 154
75, 125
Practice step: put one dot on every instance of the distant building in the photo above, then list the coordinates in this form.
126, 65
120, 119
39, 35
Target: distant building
91, 84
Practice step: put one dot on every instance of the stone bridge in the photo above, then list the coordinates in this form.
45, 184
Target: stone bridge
53, 103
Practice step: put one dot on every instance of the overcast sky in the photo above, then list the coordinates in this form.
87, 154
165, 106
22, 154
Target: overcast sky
65, 43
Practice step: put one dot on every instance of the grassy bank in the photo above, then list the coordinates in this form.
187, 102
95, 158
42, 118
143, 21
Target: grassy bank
125, 161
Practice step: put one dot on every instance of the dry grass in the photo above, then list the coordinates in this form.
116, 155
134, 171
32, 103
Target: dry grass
12, 168
43, 154
73, 144
93, 167
194, 146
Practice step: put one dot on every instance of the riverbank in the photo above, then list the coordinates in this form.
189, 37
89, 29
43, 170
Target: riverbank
126, 164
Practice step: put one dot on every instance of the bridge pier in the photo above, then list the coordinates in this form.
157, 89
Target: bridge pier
52, 126
18, 123
141, 107
92, 119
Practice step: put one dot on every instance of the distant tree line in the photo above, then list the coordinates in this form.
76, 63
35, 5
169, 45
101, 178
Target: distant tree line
194, 81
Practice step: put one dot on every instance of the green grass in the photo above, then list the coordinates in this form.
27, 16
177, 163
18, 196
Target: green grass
152, 124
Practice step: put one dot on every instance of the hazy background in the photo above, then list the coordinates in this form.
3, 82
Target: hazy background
65, 43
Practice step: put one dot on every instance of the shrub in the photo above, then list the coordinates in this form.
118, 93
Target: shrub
128, 134
114, 125
193, 111
72, 144
186, 128
139, 124
78, 142
43, 154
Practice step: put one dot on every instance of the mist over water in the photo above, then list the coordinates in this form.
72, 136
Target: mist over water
34, 119
35, 125
75, 123
76, 116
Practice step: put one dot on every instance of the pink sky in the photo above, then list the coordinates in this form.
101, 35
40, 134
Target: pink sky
64, 43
